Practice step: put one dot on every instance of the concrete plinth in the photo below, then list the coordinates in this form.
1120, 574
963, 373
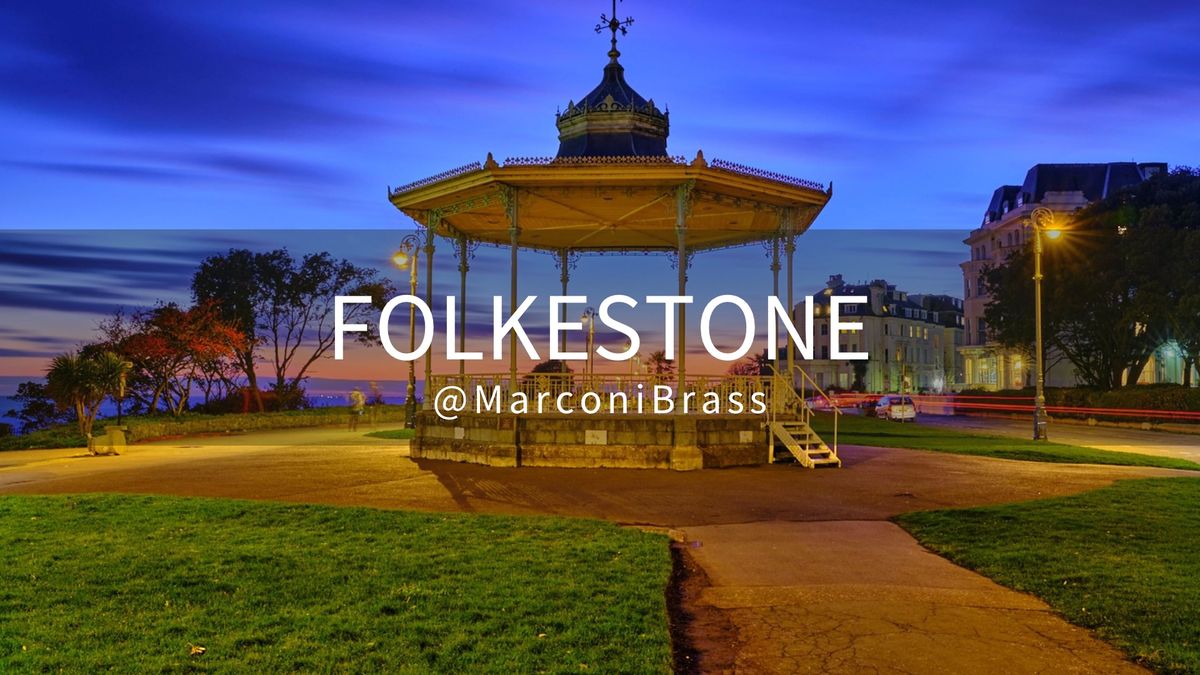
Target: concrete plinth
678, 442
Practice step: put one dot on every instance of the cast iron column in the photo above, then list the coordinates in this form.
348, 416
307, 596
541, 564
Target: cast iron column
430, 229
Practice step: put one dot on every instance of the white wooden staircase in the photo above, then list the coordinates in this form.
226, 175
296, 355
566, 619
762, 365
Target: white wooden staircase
802, 444
790, 424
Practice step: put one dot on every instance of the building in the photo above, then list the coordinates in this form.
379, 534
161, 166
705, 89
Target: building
1062, 188
947, 311
910, 339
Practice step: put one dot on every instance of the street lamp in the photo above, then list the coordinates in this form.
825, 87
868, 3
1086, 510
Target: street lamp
405, 258
589, 319
1043, 221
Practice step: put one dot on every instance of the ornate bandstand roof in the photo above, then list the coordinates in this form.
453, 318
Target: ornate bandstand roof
613, 120
612, 186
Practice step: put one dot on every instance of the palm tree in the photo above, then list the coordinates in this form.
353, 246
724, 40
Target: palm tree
660, 364
81, 383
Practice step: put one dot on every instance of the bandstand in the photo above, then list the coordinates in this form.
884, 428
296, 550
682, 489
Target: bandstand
613, 188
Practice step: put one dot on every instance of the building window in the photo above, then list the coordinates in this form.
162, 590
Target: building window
824, 329
825, 351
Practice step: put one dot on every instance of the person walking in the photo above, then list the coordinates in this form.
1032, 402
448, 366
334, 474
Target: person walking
357, 403
373, 404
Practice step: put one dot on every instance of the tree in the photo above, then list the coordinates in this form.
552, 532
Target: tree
660, 364
38, 409
232, 283
752, 365
285, 307
1118, 284
860, 376
298, 323
171, 349
552, 366
1185, 320
81, 381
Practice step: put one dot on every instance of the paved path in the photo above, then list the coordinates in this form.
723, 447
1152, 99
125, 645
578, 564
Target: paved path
802, 563
1120, 439
862, 596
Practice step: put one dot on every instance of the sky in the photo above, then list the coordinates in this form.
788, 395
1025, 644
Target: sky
209, 125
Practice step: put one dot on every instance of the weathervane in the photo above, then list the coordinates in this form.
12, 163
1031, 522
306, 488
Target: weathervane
614, 25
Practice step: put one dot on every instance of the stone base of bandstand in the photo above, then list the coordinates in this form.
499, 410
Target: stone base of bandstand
679, 442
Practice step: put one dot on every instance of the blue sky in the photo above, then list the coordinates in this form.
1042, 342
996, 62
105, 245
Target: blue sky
293, 114
252, 116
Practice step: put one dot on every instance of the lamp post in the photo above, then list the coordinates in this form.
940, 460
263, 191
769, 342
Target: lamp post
405, 258
589, 319
1043, 220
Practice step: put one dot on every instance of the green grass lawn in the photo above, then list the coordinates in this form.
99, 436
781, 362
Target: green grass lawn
91, 583
1120, 560
395, 434
862, 430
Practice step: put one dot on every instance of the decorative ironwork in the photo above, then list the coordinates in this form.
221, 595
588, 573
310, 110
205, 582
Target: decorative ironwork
445, 175
734, 167
687, 259
734, 201
431, 226
771, 251
613, 24
571, 161
465, 252
610, 105
685, 198
571, 258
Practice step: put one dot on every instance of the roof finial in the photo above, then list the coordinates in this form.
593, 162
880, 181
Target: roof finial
614, 25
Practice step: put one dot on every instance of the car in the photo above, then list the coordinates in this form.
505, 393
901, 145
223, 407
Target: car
897, 408
819, 403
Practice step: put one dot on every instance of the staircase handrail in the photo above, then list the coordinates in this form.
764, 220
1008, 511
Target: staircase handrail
806, 410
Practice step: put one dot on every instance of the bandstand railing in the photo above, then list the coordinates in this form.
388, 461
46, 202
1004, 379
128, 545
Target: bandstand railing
611, 387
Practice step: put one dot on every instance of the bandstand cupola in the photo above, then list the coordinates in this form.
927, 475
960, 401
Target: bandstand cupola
613, 119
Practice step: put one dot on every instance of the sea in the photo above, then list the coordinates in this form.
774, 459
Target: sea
109, 409
8, 403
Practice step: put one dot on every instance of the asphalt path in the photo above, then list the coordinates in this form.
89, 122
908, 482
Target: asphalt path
1121, 439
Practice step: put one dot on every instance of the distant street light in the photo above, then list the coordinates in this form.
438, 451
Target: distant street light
1044, 222
405, 258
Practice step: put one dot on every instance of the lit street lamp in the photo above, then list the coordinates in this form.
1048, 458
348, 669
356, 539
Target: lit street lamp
405, 258
1043, 220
